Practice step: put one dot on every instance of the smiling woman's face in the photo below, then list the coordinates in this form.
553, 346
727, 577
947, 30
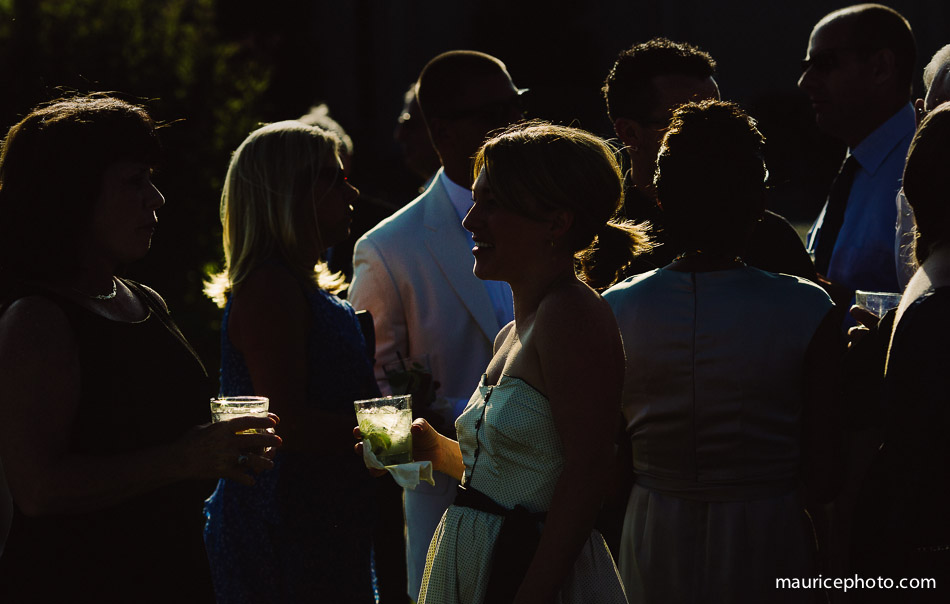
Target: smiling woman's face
505, 242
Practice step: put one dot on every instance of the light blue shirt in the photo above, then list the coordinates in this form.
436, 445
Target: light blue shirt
498, 291
864, 255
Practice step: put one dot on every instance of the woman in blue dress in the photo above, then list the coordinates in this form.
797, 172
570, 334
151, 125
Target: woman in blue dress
303, 532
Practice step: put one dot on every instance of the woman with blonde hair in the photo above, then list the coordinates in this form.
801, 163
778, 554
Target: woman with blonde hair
531, 453
305, 530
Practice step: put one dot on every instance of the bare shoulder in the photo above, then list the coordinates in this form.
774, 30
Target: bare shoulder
503, 335
580, 358
34, 325
33, 312
578, 312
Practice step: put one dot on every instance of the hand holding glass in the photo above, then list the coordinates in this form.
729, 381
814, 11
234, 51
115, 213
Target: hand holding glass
385, 423
228, 407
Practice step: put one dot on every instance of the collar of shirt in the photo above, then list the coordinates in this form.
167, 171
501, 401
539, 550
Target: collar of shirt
874, 149
498, 291
460, 196
864, 255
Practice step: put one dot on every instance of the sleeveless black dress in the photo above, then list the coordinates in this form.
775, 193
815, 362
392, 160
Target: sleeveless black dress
141, 386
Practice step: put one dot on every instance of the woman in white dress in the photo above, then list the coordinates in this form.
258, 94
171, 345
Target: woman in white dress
728, 389
531, 452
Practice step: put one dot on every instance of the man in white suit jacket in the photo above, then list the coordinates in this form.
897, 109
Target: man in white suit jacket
413, 271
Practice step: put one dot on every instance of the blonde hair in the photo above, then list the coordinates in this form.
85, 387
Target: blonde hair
535, 167
273, 169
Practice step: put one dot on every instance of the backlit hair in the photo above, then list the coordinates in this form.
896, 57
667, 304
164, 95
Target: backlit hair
537, 167
710, 177
926, 182
51, 170
940, 58
629, 89
270, 175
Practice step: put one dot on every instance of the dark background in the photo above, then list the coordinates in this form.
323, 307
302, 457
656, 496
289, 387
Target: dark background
212, 70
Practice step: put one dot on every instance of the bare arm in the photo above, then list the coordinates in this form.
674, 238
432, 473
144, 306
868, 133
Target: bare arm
44, 475
268, 324
582, 366
444, 453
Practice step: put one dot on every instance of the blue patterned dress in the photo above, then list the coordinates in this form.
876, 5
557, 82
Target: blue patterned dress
303, 532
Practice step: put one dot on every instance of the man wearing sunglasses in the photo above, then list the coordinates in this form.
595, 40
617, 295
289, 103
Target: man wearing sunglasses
858, 74
413, 272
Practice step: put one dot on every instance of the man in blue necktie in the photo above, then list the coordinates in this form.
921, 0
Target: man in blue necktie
858, 74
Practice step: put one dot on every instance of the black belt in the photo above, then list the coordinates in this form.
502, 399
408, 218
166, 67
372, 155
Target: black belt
517, 541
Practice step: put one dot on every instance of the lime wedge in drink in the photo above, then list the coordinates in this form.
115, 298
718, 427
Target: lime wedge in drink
380, 442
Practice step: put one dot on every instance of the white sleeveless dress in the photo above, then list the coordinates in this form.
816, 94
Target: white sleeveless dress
712, 403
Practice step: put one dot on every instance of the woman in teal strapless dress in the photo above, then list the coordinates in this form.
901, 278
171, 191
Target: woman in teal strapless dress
531, 454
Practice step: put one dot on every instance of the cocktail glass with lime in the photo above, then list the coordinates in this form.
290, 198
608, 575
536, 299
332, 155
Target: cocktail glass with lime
228, 407
385, 423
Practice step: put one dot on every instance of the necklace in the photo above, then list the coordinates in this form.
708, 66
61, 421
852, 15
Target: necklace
108, 296
699, 253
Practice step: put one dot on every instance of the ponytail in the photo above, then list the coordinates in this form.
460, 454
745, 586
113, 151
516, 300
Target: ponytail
608, 258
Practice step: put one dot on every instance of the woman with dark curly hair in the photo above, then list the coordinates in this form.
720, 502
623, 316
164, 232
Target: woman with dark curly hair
726, 394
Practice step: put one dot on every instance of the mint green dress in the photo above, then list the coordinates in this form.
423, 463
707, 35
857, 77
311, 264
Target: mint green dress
512, 454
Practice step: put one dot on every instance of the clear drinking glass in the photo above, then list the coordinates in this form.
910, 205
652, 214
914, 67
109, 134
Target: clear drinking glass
877, 302
228, 407
385, 422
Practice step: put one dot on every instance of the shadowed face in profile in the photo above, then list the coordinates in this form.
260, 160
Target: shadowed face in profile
837, 76
671, 91
485, 104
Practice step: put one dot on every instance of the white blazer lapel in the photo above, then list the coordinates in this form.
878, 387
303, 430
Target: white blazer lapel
446, 241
